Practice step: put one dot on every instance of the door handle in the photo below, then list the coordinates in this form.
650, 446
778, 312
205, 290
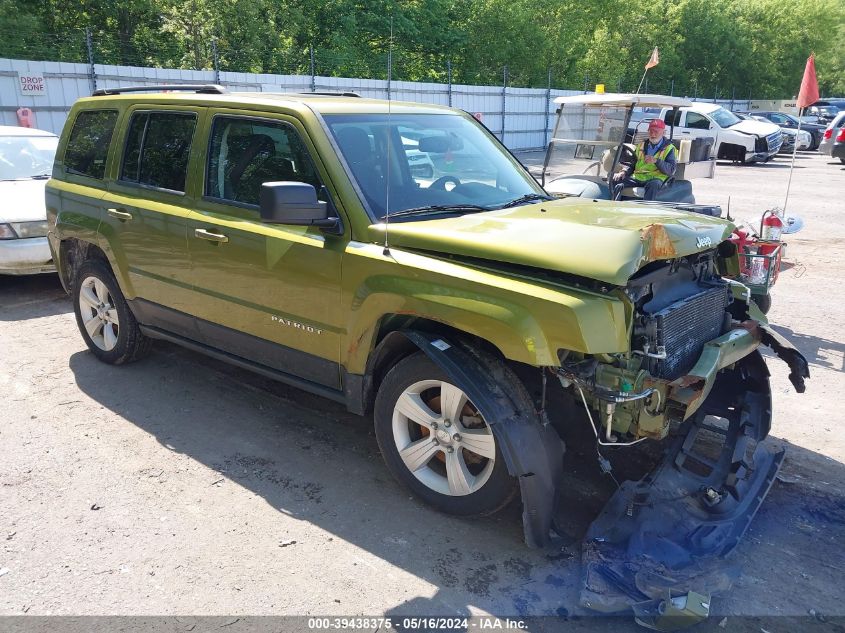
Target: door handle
211, 237
682, 132
119, 214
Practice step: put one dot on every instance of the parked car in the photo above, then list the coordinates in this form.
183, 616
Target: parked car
790, 137
738, 140
823, 113
286, 234
788, 121
26, 160
833, 136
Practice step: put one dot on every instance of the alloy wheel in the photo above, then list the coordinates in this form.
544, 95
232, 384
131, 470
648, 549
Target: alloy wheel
442, 438
99, 315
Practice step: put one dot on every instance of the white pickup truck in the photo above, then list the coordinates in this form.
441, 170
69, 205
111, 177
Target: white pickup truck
742, 141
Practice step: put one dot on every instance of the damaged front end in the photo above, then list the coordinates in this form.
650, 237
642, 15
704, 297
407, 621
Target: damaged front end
695, 374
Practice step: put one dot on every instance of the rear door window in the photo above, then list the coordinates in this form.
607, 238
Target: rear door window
88, 145
157, 149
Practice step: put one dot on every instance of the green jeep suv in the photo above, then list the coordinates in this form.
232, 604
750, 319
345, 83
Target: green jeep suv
395, 257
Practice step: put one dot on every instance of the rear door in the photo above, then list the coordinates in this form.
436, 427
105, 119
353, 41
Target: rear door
266, 292
147, 207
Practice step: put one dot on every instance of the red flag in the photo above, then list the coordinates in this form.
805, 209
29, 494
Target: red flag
809, 93
653, 60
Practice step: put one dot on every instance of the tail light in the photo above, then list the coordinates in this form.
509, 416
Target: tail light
841, 136
828, 133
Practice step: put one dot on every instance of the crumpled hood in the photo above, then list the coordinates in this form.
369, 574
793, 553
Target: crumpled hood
752, 126
22, 200
597, 239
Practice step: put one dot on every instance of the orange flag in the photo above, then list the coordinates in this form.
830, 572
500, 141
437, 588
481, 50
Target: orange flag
809, 93
653, 60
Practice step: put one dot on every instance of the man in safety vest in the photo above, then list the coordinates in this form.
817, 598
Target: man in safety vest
655, 162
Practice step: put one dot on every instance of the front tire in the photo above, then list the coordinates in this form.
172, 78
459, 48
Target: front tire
436, 443
107, 324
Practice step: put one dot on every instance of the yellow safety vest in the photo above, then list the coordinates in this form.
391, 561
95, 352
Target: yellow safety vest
644, 171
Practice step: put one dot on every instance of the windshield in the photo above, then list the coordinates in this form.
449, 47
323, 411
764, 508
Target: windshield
23, 157
584, 138
435, 160
724, 118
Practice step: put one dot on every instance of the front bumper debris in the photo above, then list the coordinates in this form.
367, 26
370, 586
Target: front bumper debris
668, 534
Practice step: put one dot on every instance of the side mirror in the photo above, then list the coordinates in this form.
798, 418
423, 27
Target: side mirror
295, 203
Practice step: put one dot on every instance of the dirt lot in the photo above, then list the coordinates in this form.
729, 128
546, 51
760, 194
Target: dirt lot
180, 485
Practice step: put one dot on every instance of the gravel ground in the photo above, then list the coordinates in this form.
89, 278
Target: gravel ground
180, 485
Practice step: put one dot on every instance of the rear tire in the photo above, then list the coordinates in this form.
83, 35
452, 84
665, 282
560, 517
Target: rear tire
107, 324
437, 444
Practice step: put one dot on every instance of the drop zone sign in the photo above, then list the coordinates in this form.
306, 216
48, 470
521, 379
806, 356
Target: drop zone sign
32, 84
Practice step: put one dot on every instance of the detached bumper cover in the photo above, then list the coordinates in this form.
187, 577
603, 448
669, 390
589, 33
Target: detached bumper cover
670, 531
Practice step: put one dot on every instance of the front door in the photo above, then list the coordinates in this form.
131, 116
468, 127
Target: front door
266, 292
694, 125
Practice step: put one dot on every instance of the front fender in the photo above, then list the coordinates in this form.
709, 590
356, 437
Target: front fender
527, 321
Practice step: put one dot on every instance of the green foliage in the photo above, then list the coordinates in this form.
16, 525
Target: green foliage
707, 47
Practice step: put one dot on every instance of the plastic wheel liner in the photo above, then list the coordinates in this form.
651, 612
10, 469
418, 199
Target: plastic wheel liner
669, 533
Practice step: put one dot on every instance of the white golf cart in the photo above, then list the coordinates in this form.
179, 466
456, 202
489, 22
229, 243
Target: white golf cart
595, 135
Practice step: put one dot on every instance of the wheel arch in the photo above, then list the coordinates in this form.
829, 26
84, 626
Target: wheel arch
533, 451
393, 341
732, 151
73, 252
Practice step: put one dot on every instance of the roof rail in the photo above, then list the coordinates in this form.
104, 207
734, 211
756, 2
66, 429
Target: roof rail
211, 89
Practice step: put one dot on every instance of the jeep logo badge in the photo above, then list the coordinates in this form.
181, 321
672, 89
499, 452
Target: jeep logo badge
701, 242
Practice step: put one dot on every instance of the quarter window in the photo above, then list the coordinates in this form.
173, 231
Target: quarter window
157, 149
245, 153
89, 141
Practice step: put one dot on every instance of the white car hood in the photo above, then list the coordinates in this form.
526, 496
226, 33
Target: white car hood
755, 127
22, 200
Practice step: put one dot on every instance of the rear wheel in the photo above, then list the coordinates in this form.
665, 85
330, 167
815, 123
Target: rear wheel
435, 441
104, 318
